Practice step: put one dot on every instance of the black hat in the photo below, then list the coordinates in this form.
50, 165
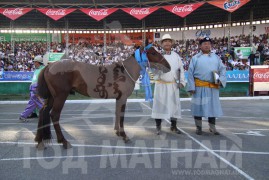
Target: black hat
205, 39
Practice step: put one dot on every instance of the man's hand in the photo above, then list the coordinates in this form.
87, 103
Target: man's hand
179, 85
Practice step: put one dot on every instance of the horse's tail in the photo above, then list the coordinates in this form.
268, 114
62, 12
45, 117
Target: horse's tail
43, 132
42, 87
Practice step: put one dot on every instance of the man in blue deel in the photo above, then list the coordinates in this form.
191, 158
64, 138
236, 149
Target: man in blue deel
206, 75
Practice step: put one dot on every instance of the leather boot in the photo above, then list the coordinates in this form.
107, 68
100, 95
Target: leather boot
198, 123
212, 126
174, 126
158, 126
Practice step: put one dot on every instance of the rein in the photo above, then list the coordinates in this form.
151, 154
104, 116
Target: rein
128, 73
131, 76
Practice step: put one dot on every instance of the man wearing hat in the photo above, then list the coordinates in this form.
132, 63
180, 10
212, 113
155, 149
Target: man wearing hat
166, 103
35, 101
206, 75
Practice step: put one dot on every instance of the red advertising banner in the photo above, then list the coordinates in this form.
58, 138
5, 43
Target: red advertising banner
125, 38
183, 10
229, 5
14, 13
258, 78
55, 14
140, 13
98, 14
261, 75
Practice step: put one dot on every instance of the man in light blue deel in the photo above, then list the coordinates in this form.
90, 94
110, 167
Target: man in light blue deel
206, 75
35, 101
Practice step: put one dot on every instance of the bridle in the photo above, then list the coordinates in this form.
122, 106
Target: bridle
148, 66
157, 65
145, 51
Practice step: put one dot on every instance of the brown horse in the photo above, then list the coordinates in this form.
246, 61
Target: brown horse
114, 81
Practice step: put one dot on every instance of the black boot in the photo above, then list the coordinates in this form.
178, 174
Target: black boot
174, 126
198, 123
158, 126
212, 127
33, 115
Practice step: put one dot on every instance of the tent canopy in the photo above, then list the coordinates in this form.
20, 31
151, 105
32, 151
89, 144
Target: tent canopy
206, 14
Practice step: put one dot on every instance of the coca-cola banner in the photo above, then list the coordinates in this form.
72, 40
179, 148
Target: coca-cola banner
183, 10
14, 13
55, 14
261, 74
98, 14
229, 5
140, 13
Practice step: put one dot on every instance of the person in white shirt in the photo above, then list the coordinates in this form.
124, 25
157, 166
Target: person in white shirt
166, 103
239, 54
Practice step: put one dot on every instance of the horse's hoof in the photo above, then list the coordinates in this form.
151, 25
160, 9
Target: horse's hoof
67, 145
117, 133
127, 140
40, 146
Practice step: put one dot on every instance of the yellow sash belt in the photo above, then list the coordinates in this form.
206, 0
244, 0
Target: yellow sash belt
165, 82
200, 83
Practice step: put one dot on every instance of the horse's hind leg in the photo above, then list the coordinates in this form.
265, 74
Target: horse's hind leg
39, 135
55, 116
119, 123
43, 114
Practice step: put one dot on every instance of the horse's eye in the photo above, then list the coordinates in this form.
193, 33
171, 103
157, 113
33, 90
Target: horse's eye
154, 53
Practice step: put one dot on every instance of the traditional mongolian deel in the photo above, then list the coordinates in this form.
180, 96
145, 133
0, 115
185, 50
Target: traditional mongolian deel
205, 102
166, 102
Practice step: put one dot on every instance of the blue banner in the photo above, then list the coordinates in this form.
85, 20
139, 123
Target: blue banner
237, 76
234, 76
16, 76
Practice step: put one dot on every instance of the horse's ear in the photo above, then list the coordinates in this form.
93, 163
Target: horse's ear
147, 42
141, 49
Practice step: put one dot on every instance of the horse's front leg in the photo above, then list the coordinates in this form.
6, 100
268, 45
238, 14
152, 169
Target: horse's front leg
119, 123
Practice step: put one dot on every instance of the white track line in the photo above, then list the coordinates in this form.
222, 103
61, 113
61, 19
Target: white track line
99, 126
108, 127
131, 114
147, 106
167, 150
64, 111
54, 143
86, 156
94, 101
218, 156
215, 154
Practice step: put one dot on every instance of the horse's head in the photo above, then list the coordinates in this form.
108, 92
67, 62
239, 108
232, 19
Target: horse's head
156, 60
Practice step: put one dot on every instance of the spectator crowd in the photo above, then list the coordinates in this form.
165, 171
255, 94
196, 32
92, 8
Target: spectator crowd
24, 52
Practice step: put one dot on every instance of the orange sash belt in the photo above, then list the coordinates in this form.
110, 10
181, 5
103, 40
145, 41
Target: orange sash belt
200, 83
